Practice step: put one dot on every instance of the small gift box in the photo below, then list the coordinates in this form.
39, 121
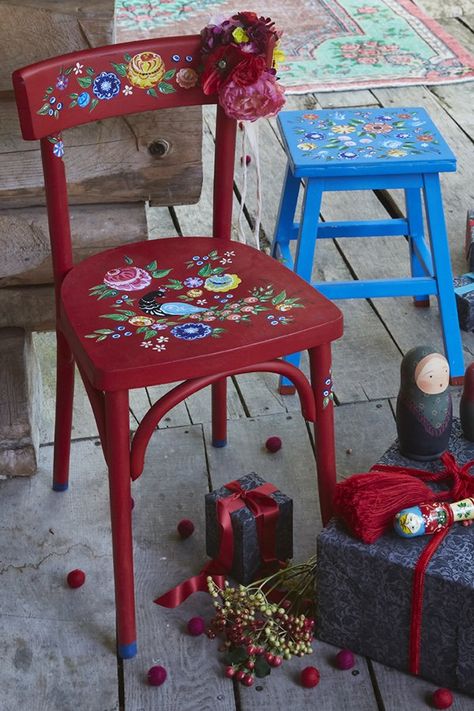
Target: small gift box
469, 244
249, 523
365, 593
464, 291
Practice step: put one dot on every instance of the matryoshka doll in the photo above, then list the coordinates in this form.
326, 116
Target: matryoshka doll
424, 408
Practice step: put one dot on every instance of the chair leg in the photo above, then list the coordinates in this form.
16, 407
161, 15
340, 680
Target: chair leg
305, 254
118, 455
320, 367
444, 277
63, 420
414, 210
219, 413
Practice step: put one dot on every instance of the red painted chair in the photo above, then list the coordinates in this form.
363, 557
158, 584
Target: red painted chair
186, 309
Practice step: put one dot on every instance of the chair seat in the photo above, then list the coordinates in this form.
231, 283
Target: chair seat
178, 308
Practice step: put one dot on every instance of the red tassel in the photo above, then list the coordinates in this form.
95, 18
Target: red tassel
368, 502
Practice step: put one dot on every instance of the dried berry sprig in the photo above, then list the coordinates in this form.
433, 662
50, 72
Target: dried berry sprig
266, 622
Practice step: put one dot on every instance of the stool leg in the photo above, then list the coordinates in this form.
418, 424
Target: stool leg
286, 214
305, 253
63, 420
444, 277
320, 366
414, 210
118, 458
219, 413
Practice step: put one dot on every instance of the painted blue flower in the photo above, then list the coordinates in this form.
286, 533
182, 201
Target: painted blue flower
385, 119
127, 333
61, 82
106, 85
50, 112
175, 57
404, 134
191, 331
83, 99
116, 335
120, 328
189, 58
392, 144
193, 282
314, 136
349, 155
59, 105
58, 149
52, 100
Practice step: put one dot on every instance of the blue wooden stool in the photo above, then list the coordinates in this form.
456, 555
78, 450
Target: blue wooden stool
371, 149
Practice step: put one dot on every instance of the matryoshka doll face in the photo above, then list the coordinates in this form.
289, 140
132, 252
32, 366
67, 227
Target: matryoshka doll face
432, 374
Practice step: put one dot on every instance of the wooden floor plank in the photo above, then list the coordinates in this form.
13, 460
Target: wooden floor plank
172, 487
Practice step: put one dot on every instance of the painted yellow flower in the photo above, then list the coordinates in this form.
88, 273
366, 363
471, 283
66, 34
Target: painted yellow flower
345, 128
194, 293
306, 146
240, 35
145, 69
141, 321
278, 56
225, 282
396, 153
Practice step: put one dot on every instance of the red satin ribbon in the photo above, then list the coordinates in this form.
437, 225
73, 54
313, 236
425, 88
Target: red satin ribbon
265, 510
462, 488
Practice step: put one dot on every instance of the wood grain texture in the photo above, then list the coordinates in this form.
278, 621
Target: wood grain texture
450, 8
172, 487
24, 238
20, 403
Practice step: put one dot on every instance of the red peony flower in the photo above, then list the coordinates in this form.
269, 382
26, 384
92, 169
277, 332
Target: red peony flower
127, 278
219, 65
263, 98
248, 70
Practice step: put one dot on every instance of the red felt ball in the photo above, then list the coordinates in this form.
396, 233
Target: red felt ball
185, 528
310, 677
157, 676
442, 699
273, 444
345, 659
76, 578
196, 626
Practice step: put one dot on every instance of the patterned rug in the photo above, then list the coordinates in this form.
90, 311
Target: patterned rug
329, 44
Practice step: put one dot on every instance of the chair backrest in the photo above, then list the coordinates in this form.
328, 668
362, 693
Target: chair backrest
115, 80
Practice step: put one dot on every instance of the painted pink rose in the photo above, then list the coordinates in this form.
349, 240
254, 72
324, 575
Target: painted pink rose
251, 300
263, 98
378, 128
187, 78
367, 60
127, 278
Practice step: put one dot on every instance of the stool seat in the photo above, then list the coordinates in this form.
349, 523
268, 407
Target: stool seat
371, 149
373, 141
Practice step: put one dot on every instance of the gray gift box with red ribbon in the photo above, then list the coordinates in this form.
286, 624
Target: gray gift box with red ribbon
247, 552
364, 592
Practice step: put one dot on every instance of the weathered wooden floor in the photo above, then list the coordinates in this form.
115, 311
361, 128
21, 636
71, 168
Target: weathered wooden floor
58, 644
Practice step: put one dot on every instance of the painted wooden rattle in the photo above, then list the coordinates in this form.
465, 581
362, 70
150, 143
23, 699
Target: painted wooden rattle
430, 518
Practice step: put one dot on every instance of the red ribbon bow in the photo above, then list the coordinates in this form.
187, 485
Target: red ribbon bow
265, 510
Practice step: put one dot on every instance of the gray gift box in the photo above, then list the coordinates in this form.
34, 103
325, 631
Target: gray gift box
365, 591
247, 558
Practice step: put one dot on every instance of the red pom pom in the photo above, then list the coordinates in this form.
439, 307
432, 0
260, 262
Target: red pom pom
185, 528
442, 699
196, 626
273, 444
309, 677
345, 659
156, 676
76, 578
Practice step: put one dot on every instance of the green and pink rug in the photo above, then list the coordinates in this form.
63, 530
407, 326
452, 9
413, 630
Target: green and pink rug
329, 44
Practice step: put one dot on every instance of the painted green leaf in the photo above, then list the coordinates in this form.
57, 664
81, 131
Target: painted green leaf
103, 331
120, 68
94, 103
128, 314
101, 338
169, 74
205, 271
152, 91
108, 292
73, 104
142, 329
159, 273
67, 71
128, 260
52, 139
43, 110
115, 317
213, 254
218, 270
150, 333
166, 88
174, 284
127, 57
183, 297
90, 335
90, 71
279, 298
99, 287
152, 266
85, 82
49, 90
73, 95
